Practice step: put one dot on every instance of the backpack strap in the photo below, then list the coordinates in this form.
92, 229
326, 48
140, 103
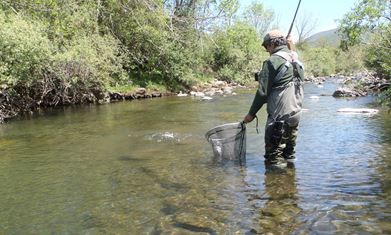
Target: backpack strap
282, 71
285, 55
291, 58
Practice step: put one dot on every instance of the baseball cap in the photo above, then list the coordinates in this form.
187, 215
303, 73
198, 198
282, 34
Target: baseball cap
271, 35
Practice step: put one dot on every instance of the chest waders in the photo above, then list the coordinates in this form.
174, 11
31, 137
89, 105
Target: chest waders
284, 102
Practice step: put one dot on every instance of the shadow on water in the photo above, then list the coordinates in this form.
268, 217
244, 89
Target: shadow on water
194, 228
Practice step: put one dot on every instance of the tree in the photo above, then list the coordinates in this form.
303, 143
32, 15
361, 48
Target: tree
304, 25
200, 14
365, 17
259, 17
368, 23
238, 53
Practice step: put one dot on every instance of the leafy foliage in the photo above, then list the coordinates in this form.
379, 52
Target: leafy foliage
238, 53
378, 52
64, 52
349, 61
366, 16
259, 17
36, 71
319, 61
25, 49
369, 23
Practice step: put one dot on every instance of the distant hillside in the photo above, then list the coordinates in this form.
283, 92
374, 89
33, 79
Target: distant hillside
330, 37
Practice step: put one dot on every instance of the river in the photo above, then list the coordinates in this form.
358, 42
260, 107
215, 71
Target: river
144, 167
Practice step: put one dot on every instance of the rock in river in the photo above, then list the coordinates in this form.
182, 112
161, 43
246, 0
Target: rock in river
358, 110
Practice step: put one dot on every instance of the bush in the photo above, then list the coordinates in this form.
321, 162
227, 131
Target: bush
91, 58
36, 73
349, 61
319, 61
238, 53
25, 49
385, 97
378, 53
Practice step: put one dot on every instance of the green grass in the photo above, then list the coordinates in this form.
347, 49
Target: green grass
122, 88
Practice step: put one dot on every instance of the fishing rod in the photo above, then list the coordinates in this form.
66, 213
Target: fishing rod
290, 28
293, 21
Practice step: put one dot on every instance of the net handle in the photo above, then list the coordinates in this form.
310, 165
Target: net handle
243, 124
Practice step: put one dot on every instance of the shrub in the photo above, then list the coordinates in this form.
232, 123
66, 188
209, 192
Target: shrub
378, 53
25, 49
238, 53
319, 61
91, 58
349, 61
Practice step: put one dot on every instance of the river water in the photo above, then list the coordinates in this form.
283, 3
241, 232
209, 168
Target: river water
144, 167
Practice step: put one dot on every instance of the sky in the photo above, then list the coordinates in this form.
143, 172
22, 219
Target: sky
325, 12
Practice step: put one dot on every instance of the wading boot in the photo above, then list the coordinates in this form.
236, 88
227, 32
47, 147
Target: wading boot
289, 154
290, 158
275, 162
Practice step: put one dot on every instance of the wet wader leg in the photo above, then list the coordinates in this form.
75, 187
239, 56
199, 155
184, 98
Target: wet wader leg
273, 151
290, 142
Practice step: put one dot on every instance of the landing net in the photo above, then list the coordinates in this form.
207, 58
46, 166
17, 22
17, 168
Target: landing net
228, 141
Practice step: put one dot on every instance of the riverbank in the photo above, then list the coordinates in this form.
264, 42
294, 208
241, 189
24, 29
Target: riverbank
213, 88
24, 100
358, 85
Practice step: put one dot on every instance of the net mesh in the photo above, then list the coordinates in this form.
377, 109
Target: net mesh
228, 141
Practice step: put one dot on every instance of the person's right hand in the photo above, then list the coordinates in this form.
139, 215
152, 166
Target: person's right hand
289, 42
248, 118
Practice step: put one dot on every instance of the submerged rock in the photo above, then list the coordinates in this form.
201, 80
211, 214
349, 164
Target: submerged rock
206, 98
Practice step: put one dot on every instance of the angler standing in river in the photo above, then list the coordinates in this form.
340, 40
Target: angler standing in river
280, 87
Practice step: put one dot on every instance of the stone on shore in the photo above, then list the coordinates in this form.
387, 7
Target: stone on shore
141, 91
216, 87
360, 84
197, 93
181, 94
346, 92
227, 90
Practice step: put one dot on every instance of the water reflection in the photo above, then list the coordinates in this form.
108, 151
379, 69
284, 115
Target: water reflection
280, 212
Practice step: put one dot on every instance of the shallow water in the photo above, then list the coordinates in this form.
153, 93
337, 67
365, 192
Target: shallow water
145, 167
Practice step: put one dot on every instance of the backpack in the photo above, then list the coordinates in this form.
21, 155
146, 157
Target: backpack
291, 60
285, 101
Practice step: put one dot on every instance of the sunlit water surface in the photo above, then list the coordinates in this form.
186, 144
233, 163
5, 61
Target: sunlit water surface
145, 167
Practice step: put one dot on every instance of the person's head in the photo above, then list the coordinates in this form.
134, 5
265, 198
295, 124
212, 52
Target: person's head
273, 39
